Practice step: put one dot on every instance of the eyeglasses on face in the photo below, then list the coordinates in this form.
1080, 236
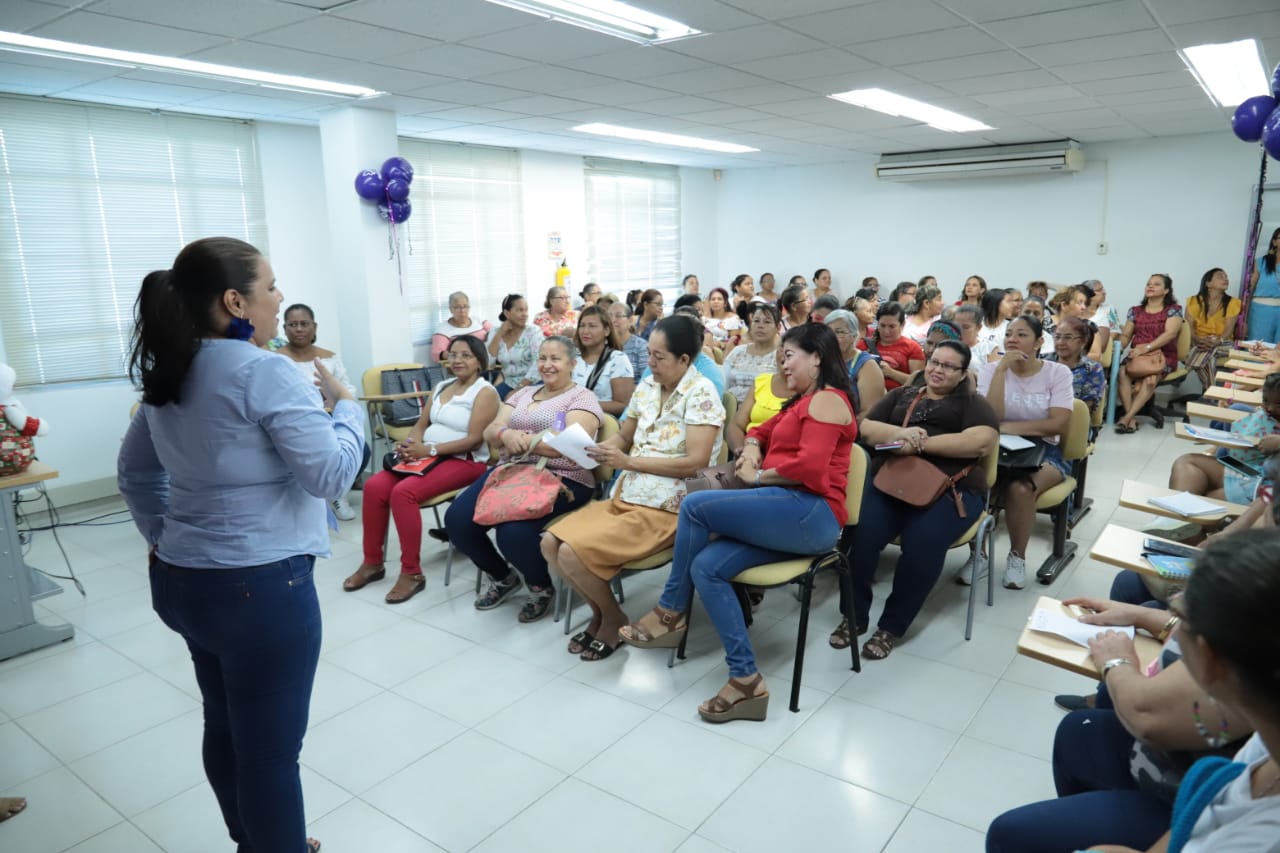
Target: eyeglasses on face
942, 365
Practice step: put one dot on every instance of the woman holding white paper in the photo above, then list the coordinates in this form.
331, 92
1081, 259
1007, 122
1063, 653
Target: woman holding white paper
527, 416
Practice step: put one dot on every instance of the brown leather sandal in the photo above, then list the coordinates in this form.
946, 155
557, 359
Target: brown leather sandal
748, 706
841, 637
880, 645
657, 629
407, 586
364, 576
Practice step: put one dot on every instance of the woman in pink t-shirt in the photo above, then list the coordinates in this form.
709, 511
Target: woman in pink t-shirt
1032, 398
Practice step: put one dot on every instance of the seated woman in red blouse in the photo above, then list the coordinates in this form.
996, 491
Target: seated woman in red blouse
1151, 332
899, 355
798, 465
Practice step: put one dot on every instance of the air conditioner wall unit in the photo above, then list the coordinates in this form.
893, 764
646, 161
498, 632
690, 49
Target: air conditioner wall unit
997, 161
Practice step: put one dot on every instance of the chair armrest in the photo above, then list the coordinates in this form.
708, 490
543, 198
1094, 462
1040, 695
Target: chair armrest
386, 398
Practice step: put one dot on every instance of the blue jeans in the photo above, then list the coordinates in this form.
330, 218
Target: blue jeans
925, 534
755, 526
519, 542
254, 636
1264, 323
1098, 801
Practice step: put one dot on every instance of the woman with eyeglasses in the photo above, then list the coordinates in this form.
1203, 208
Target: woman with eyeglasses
1088, 379
950, 427
458, 322
649, 311
1151, 333
557, 318
515, 345
794, 305
866, 381
1033, 399
449, 437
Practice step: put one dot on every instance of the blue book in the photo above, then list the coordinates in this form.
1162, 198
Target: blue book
1171, 568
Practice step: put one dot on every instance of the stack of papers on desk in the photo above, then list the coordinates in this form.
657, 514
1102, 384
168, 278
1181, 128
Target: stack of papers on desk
1186, 504
1049, 622
1219, 436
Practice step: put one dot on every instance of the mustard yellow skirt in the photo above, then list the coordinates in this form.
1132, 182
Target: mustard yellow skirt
607, 535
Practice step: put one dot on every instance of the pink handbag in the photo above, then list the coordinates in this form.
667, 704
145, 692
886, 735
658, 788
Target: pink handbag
518, 491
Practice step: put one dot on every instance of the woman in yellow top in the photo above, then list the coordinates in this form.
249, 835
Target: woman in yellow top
1212, 314
762, 402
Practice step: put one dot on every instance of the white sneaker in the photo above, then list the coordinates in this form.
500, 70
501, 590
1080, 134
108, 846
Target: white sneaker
342, 509
1015, 572
964, 577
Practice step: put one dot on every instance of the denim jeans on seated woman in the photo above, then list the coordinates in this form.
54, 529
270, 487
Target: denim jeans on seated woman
755, 526
254, 636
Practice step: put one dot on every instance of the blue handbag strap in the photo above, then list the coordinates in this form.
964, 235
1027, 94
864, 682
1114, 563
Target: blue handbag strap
1206, 778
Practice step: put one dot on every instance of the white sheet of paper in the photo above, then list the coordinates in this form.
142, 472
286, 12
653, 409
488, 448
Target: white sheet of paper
1015, 442
1185, 504
1221, 436
573, 443
1049, 622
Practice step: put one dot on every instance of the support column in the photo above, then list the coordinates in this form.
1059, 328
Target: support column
372, 313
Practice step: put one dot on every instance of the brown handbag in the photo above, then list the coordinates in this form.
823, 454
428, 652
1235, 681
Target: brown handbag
723, 476
914, 479
1145, 364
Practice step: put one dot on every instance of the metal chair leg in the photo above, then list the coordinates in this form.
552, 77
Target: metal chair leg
844, 574
806, 585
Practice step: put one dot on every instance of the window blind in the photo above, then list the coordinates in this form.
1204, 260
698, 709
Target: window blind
93, 199
465, 232
633, 224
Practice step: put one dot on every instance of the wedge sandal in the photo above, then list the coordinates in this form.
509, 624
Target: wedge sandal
748, 706
657, 629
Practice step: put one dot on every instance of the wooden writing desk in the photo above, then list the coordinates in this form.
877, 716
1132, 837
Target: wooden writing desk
1122, 547
1065, 654
1245, 355
1223, 377
1245, 364
1180, 430
1234, 395
1135, 495
1214, 413
19, 583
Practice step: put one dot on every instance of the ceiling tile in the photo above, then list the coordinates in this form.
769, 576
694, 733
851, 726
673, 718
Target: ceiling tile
619, 93
437, 19
705, 80
982, 65
768, 124
468, 92
476, 115
18, 16
709, 16
422, 124
282, 60
675, 105
874, 21
381, 77
636, 65
1031, 109
1181, 108
1001, 82
232, 18
348, 39
1118, 99
106, 31
1079, 119
984, 11
1141, 83
773, 10
544, 78
1025, 96
719, 118
1100, 48
1261, 26
922, 47
142, 91
1174, 12
799, 66
540, 105
456, 60
1109, 134
262, 105
1159, 127
606, 115
406, 106
1122, 16
23, 78
168, 78
1151, 63
758, 42
547, 41
537, 124
770, 93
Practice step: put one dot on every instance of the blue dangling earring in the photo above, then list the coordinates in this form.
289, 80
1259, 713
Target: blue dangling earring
240, 329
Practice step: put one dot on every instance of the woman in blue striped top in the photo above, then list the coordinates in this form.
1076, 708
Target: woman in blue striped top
227, 469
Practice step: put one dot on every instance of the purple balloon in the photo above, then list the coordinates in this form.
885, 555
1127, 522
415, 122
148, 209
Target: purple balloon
397, 190
1247, 121
1271, 134
369, 185
396, 211
397, 168
1275, 82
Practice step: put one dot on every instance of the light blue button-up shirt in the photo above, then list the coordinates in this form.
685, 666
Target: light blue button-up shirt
239, 473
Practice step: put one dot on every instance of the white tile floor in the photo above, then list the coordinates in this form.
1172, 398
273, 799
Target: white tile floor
437, 727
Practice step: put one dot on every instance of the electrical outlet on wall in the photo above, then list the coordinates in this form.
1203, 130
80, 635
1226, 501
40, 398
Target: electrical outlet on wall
1102, 247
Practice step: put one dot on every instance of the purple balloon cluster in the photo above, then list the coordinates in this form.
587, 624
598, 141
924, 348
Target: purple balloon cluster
1258, 119
389, 188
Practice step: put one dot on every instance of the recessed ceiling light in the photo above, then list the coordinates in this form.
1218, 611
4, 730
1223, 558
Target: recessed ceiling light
606, 16
132, 59
898, 105
1228, 73
663, 138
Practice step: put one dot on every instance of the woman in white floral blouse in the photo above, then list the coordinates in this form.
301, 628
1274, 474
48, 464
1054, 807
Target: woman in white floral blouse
671, 428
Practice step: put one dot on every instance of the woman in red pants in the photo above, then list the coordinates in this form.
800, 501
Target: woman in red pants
451, 432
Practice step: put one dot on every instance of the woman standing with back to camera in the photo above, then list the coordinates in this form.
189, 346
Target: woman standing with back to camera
226, 469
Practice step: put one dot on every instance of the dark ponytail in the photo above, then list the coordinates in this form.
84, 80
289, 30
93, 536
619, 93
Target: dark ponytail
174, 312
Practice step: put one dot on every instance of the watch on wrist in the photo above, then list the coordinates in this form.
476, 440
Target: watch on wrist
1112, 664
433, 450
759, 471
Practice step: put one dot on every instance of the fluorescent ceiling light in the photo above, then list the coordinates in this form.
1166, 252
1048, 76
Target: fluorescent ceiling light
663, 138
898, 105
1228, 73
606, 16
131, 59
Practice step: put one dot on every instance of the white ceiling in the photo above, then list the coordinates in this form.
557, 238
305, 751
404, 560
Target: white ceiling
471, 71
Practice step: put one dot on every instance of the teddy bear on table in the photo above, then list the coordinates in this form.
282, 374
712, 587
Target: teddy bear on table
16, 428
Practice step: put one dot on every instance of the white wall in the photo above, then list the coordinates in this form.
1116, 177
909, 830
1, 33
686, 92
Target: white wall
1176, 205
554, 197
